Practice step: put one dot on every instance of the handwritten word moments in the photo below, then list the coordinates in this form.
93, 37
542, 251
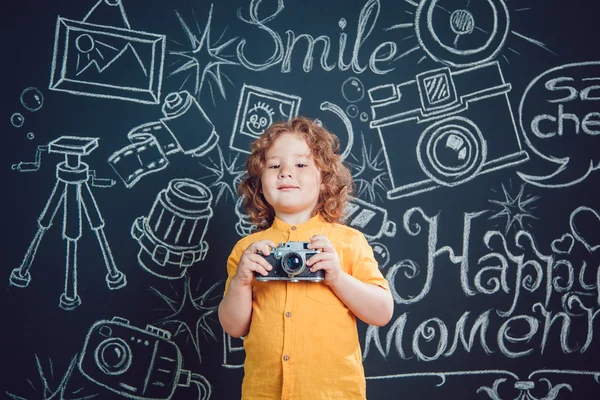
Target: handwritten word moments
511, 269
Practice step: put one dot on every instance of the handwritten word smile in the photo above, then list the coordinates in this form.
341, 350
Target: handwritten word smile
282, 54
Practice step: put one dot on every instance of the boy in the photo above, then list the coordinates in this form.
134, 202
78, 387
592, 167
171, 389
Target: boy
301, 339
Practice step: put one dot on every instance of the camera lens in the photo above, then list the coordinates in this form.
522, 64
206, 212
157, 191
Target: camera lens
113, 356
292, 263
451, 151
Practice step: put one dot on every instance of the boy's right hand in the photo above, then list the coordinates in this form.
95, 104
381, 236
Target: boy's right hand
251, 261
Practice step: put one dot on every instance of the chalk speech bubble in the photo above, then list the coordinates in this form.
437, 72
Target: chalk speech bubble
559, 115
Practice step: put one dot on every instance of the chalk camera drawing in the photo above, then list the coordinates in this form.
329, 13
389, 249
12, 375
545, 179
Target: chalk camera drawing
289, 264
133, 362
107, 62
257, 109
442, 117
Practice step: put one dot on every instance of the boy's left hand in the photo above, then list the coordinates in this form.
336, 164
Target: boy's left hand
326, 260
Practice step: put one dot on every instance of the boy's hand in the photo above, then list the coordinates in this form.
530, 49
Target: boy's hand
251, 261
327, 260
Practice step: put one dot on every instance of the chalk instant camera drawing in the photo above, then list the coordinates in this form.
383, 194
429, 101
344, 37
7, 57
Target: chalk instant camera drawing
445, 128
289, 264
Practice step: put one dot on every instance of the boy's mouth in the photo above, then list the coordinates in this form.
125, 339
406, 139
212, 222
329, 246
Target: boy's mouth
287, 187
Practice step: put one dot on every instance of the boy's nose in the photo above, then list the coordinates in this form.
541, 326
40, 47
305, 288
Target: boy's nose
285, 174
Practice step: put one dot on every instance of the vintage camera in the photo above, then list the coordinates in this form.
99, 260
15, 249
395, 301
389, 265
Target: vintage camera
445, 128
133, 362
289, 264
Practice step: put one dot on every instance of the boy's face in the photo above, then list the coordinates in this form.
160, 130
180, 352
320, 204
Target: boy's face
291, 181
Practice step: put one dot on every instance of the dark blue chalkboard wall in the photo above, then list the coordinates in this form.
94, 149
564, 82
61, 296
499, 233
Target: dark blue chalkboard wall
471, 128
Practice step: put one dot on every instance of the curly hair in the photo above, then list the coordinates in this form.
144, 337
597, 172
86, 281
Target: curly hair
337, 183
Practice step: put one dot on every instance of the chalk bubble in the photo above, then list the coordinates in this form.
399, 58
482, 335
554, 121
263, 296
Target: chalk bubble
32, 99
353, 90
17, 120
352, 111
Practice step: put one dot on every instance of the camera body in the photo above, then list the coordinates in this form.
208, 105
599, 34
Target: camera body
133, 362
289, 264
445, 128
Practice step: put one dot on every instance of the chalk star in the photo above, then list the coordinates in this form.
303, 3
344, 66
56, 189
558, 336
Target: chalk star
203, 53
202, 306
369, 172
227, 176
514, 209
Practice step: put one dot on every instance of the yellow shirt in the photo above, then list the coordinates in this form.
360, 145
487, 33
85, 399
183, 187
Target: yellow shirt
303, 341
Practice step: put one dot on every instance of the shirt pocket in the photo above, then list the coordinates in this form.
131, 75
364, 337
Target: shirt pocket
322, 294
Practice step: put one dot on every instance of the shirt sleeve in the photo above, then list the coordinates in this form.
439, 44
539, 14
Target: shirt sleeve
364, 266
232, 263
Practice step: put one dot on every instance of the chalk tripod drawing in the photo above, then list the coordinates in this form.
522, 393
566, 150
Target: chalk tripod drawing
71, 191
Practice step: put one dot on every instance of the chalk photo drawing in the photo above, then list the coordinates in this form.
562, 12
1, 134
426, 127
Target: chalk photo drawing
184, 127
171, 237
141, 364
71, 192
442, 117
107, 61
257, 109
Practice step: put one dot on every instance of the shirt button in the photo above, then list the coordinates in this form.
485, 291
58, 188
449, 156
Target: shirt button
286, 357
288, 314
293, 228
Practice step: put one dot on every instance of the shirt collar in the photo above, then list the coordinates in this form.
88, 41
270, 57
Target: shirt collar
312, 223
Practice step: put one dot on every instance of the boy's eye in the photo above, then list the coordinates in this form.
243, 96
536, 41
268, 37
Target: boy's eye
301, 165
274, 166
